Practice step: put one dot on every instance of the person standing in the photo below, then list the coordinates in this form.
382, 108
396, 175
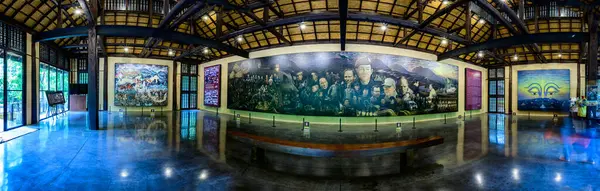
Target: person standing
582, 107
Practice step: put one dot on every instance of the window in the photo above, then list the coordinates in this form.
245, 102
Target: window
496, 90
189, 86
12, 54
52, 79
14, 90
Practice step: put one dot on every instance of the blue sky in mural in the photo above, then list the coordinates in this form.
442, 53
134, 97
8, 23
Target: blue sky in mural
543, 90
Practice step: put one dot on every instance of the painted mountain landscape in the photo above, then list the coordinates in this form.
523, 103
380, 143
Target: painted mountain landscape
141, 85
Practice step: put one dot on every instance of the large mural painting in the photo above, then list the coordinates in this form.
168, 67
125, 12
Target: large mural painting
141, 85
473, 90
343, 84
543, 90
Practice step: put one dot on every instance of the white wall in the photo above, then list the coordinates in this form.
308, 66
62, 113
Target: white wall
349, 48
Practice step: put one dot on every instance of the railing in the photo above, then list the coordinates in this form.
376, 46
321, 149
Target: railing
134, 5
551, 11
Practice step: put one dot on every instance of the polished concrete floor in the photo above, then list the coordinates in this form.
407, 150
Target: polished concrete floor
193, 150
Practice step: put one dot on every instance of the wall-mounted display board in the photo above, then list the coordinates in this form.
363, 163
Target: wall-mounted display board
473, 90
544, 90
212, 86
343, 84
55, 98
141, 85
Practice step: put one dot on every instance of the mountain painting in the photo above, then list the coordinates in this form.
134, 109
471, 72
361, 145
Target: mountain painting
343, 84
544, 90
141, 85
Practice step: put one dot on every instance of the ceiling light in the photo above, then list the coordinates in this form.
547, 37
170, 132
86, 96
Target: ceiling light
559, 55
239, 38
516, 57
205, 17
481, 21
302, 25
126, 49
444, 41
171, 53
480, 54
205, 50
78, 11
445, 2
383, 27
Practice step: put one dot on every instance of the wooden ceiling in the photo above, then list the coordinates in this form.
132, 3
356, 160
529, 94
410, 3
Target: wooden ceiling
42, 15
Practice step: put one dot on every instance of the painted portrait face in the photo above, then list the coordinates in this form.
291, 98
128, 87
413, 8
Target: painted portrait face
389, 91
376, 91
300, 76
404, 84
364, 73
543, 84
277, 67
314, 76
323, 83
315, 88
346, 102
349, 76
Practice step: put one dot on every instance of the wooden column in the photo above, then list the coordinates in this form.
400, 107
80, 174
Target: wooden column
468, 22
592, 68
175, 96
92, 102
59, 20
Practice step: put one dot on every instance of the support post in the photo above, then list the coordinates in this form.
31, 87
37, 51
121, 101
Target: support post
340, 130
468, 22
592, 58
343, 11
92, 102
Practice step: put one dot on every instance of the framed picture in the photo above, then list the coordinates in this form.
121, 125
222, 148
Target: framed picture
212, 86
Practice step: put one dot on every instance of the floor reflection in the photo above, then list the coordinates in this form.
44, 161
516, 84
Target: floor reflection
192, 150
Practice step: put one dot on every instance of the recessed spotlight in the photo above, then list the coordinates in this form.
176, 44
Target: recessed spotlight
444, 42
559, 55
516, 57
302, 25
480, 54
78, 11
205, 50
445, 2
126, 49
239, 38
481, 21
383, 27
205, 17
171, 53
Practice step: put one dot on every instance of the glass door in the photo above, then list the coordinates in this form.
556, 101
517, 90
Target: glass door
496, 90
14, 91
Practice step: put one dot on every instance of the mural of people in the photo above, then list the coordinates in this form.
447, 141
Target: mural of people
343, 84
